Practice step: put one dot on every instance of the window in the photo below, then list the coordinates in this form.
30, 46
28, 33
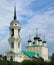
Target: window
11, 58
12, 45
18, 45
19, 31
12, 32
15, 24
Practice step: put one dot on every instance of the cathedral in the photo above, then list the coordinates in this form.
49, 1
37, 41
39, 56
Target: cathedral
36, 49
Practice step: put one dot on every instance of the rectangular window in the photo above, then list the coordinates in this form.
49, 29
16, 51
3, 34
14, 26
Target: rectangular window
12, 45
18, 45
12, 32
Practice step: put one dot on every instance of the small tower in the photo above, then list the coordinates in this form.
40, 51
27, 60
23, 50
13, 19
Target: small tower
40, 42
44, 42
29, 41
36, 38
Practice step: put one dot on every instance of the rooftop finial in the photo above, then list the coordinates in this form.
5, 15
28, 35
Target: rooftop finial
29, 37
44, 37
15, 11
36, 31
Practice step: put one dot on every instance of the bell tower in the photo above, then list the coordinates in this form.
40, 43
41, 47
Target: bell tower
14, 53
15, 39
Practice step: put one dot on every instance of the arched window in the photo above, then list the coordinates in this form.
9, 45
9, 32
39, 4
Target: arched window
12, 45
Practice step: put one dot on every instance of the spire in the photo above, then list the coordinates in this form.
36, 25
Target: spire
40, 38
44, 39
29, 39
37, 35
36, 31
15, 12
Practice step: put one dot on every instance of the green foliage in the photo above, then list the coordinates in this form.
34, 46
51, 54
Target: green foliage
12, 63
3, 62
25, 62
29, 62
0, 57
52, 56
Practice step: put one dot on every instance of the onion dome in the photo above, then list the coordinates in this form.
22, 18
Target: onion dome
37, 36
44, 40
29, 39
39, 40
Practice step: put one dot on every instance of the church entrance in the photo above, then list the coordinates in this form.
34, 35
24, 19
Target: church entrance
11, 58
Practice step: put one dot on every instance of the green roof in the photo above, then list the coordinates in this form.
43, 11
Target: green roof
37, 56
31, 54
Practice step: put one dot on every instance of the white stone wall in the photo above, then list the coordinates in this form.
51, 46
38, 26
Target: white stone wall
29, 43
16, 33
40, 43
44, 53
16, 57
36, 42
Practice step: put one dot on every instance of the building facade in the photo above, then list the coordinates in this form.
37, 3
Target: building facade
35, 49
38, 47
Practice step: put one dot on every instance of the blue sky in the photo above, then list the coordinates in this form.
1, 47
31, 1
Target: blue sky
31, 14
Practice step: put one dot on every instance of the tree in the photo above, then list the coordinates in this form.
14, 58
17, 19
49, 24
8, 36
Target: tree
52, 56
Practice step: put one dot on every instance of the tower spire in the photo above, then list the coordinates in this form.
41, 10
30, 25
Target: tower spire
36, 31
15, 12
29, 37
44, 38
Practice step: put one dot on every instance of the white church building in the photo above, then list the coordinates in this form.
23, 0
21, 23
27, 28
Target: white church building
36, 49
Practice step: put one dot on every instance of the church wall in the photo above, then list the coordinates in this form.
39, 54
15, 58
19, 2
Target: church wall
9, 57
44, 53
36, 42
19, 58
35, 49
25, 57
15, 33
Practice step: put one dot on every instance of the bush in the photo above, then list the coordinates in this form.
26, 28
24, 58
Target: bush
12, 63
25, 62
29, 62
3, 62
